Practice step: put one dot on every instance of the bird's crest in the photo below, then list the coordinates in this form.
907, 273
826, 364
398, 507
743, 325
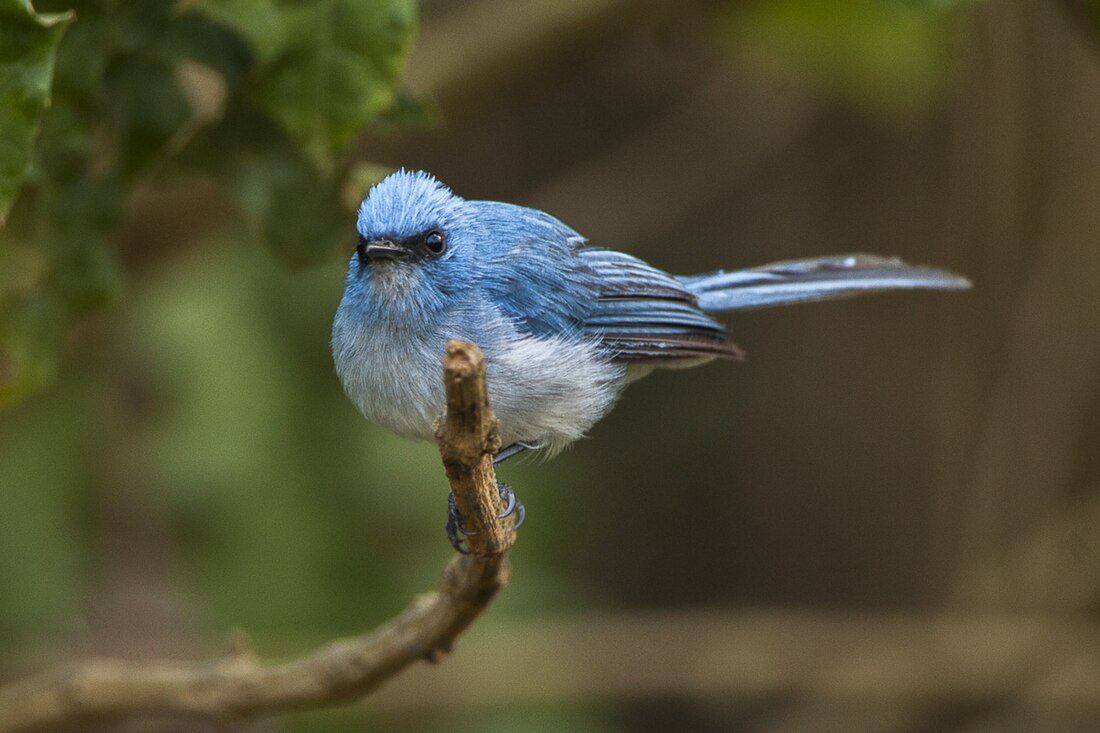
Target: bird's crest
406, 203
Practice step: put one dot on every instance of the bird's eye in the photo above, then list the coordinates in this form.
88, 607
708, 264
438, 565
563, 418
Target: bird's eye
435, 242
361, 249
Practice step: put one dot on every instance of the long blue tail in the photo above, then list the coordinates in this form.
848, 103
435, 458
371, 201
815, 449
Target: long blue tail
819, 278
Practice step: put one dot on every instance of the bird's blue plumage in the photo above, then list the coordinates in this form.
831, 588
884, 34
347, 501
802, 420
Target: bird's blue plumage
537, 283
563, 326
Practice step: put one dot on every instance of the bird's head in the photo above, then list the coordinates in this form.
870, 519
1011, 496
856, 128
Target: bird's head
414, 240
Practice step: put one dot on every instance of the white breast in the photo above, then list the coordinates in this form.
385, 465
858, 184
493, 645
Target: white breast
547, 390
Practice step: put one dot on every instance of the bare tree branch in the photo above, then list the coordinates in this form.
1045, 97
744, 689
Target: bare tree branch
238, 688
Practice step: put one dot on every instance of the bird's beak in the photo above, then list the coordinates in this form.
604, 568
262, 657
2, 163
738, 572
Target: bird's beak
384, 249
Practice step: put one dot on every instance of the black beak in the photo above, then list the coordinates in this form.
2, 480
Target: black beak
381, 249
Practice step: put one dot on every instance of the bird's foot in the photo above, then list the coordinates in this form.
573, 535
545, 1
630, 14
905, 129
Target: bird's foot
514, 449
457, 533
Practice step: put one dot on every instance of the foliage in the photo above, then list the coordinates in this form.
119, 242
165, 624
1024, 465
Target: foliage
261, 96
29, 42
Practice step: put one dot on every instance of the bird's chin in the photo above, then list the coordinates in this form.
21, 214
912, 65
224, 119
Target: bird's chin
394, 278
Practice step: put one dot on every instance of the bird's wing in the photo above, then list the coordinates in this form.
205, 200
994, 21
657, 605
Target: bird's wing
642, 314
532, 277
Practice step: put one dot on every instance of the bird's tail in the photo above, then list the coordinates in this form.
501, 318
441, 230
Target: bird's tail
819, 278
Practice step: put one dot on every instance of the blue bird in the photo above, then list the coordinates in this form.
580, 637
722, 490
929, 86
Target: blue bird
564, 326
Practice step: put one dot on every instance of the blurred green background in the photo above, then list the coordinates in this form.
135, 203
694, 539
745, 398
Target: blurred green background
886, 519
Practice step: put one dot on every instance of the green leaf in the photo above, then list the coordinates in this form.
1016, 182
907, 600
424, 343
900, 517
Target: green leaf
287, 203
262, 96
75, 223
145, 110
324, 69
28, 44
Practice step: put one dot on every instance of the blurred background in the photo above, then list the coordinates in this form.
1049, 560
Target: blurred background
886, 519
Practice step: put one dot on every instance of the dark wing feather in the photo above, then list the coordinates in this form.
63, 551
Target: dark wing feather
645, 315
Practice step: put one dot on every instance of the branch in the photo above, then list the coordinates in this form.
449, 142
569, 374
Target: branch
239, 688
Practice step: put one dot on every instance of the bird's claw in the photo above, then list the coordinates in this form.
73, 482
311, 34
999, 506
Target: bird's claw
512, 505
457, 533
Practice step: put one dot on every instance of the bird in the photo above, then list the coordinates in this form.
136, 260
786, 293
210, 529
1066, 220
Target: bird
564, 326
